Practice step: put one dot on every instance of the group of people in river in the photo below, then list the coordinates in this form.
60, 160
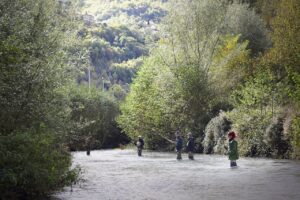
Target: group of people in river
190, 146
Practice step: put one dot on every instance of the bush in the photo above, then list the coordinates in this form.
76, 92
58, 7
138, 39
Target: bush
278, 142
251, 126
215, 134
296, 137
33, 164
93, 123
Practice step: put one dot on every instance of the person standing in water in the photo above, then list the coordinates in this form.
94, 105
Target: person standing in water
179, 143
233, 149
190, 146
140, 145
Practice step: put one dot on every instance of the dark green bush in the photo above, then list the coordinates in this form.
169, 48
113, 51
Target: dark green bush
93, 114
278, 142
296, 137
33, 164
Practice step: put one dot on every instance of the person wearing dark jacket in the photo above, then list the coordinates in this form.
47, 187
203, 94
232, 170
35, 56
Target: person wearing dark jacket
140, 145
179, 143
190, 146
233, 149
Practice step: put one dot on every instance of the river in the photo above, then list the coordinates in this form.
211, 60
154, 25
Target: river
122, 175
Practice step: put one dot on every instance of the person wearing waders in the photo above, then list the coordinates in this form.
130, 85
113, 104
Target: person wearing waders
190, 146
179, 142
233, 149
140, 145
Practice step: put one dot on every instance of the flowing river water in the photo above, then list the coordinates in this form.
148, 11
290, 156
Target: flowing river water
122, 175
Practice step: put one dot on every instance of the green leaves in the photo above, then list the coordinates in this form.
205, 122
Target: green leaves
36, 37
33, 165
187, 78
32, 65
257, 92
151, 105
92, 119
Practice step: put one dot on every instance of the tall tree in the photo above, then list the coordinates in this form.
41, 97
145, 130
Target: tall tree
35, 38
285, 61
196, 43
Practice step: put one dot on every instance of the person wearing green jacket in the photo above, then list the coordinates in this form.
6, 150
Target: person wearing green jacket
233, 149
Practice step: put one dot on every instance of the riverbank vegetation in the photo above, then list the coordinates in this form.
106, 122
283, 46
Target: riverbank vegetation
35, 49
221, 65
62, 78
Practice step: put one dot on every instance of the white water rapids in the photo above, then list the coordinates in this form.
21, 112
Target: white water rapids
122, 175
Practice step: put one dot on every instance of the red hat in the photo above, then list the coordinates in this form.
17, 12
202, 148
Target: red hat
232, 134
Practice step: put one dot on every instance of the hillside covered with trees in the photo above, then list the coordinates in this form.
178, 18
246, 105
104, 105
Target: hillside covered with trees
117, 34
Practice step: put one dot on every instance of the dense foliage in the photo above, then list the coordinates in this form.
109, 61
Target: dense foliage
117, 35
101, 72
188, 65
43, 113
222, 55
216, 134
34, 163
114, 55
115, 38
92, 118
35, 38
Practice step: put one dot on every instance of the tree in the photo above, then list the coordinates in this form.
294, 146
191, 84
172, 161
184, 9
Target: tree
34, 42
283, 59
153, 108
266, 104
195, 45
34, 47
93, 116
